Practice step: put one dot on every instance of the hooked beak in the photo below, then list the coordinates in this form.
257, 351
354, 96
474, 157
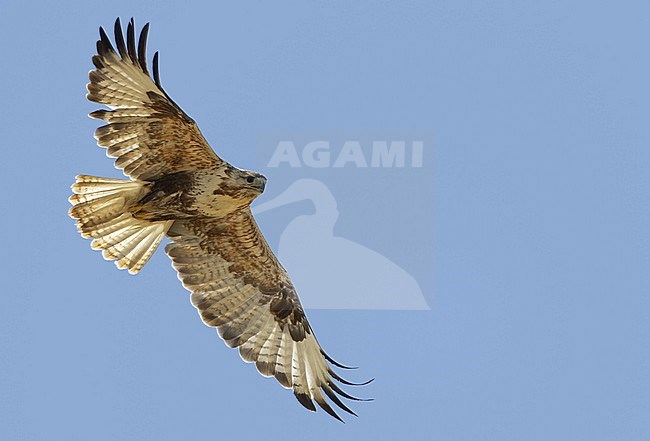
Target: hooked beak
262, 183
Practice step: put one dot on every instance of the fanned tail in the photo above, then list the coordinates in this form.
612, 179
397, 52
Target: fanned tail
102, 206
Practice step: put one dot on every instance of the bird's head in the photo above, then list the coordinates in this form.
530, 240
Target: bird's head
251, 183
228, 189
241, 186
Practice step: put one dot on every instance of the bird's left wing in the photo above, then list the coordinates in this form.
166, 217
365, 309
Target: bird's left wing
147, 132
240, 288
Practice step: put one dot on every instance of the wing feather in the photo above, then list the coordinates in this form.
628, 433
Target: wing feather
239, 287
148, 134
283, 360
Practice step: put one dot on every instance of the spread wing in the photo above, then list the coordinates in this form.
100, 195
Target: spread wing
148, 134
240, 288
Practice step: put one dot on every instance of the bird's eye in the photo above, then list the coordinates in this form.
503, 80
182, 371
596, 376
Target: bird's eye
250, 179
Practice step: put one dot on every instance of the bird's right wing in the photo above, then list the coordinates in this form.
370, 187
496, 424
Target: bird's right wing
239, 287
148, 134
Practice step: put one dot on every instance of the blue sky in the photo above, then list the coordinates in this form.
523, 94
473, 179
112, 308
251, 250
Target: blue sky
527, 228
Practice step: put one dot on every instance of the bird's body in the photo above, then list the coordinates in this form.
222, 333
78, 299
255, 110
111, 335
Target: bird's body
214, 193
180, 188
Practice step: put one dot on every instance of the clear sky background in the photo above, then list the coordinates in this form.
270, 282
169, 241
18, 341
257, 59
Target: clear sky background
532, 246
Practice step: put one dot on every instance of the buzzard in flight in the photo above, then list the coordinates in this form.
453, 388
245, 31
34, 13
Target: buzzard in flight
180, 188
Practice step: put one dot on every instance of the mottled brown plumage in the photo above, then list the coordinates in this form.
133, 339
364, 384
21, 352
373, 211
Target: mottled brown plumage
180, 188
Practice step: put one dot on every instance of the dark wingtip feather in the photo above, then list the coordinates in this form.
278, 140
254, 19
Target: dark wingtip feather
97, 60
344, 394
336, 400
130, 41
102, 34
142, 48
119, 39
104, 44
156, 75
305, 401
327, 408
338, 378
336, 363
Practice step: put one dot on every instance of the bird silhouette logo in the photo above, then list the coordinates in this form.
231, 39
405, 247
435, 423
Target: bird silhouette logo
365, 279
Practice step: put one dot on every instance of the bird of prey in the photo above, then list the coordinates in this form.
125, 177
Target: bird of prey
180, 188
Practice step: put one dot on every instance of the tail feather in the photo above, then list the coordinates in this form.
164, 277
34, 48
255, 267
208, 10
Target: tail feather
97, 215
101, 229
102, 209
